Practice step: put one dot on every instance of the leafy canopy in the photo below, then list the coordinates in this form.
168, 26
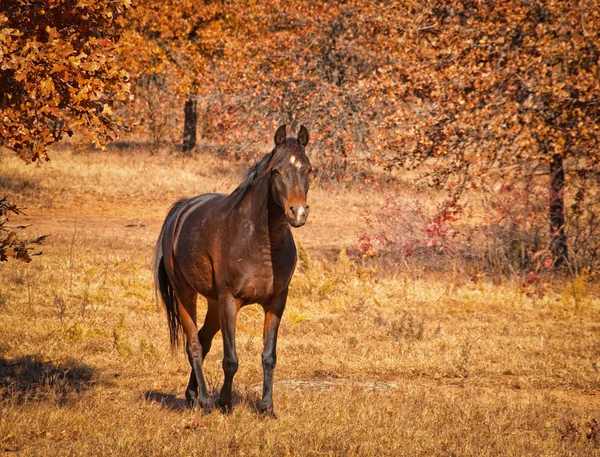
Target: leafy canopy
58, 71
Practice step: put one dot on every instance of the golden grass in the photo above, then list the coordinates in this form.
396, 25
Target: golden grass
369, 362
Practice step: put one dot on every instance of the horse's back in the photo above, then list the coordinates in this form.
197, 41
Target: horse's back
182, 209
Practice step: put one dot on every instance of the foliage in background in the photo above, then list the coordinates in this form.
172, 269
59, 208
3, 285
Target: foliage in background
501, 84
313, 63
502, 227
251, 67
409, 229
58, 72
462, 90
172, 50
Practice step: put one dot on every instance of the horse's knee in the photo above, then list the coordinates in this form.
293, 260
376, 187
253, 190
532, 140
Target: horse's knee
230, 365
269, 361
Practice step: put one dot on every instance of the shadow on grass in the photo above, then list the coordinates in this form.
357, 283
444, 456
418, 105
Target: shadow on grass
170, 401
30, 378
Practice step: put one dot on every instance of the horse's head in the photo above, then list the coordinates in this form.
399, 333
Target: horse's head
290, 175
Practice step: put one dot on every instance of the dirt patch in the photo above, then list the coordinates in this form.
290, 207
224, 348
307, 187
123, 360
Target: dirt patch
316, 384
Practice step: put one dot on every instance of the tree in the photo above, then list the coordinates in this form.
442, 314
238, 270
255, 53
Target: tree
172, 47
496, 84
190, 125
315, 62
255, 65
58, 72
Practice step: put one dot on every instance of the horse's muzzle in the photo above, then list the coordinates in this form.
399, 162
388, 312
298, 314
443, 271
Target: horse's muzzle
297, 215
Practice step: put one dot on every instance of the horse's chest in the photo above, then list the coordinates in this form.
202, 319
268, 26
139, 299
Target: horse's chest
257, 282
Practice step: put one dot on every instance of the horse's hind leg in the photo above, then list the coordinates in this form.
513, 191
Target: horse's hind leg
187, 315
228, 308
205, 336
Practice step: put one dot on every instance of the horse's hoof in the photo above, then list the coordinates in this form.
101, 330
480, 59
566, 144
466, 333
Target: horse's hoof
205, 405
225, 407
269, 413
192, 398
266, 410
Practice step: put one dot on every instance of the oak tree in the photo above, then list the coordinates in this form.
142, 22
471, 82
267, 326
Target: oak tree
490, 85
171, 49
58, 72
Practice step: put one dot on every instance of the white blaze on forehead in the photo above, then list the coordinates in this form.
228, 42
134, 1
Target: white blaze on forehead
295, 162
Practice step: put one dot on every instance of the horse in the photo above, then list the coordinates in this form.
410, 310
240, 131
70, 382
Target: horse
234, 250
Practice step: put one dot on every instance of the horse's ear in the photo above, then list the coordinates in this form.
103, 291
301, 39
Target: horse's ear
280, 135
303, 136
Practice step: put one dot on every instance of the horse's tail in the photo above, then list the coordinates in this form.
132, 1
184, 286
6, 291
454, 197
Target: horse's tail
162, 282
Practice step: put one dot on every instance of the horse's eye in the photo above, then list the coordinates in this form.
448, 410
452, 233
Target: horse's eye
310, 170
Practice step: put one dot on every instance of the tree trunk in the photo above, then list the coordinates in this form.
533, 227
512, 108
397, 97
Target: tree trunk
558, 242
189, 126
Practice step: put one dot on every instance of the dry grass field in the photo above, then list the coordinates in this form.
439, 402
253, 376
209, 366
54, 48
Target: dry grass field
370, 362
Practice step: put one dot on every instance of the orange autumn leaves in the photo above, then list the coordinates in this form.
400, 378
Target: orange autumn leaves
500, 83
471, 85
58, 71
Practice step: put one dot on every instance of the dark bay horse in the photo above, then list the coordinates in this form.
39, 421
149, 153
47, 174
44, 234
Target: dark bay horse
234, 250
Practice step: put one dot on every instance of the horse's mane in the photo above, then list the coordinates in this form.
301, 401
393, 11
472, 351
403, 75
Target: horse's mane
253, 173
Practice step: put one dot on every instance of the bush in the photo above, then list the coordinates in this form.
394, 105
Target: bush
10, 245
513, 233
404, 229
502, 228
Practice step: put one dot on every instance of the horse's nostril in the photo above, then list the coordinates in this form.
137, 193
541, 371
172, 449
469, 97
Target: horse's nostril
293, 210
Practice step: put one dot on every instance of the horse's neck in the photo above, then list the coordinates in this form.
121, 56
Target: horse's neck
270, 224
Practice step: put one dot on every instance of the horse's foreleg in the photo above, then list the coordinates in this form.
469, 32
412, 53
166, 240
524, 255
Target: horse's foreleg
228, 308
273, 313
